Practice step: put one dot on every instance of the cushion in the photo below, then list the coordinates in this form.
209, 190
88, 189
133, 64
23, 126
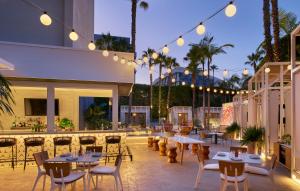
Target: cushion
103, 170
256, 170
86, 165
233, 179
211, 167
70, 178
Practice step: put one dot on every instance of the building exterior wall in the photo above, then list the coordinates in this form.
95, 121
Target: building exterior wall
174, 111
135, 109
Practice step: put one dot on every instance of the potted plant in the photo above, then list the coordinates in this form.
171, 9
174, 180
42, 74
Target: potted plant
66, 124
233, 130
253, 137
286, 139
37, 126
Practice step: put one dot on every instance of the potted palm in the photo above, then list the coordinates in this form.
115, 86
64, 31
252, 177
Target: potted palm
253, 137
233, 130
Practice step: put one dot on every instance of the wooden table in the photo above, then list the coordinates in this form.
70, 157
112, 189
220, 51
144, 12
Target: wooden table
216, 134
245, 157
185, 140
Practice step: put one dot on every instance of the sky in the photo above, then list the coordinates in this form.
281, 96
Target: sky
166, 20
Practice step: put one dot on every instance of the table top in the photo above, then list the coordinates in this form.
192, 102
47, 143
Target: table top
85, 158
215, 133
244, 157
186, 140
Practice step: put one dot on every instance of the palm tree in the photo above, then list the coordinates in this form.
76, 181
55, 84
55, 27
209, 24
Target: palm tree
287, 21
214, 68
254, 59
276, 30
171, 63
6, 97
160, 60
267, 31
150, 63
105, 42
144, 5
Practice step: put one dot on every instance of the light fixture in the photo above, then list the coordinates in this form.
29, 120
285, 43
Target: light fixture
180, 41
205, 72
200, 29
105, 53
183, 83
289, 67
173, 80
215, 91
162, 76
242, 92
116, 58
152, 67
208, 89
150, 72
192, 85
221, 91
225, 73
165, 50
232, 92
186, 72
237, 92
200, 88
230, 10
145, 59
92, 45
73, 35
134, 114
169, 70
154, 55
139, 62
123, 61
227, 92
247, 92
45, 19
267, 70
245, 72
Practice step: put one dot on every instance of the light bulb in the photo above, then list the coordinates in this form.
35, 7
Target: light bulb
200, 88
289, 67
92, 45
237, 92
129, 63
232, 92
116, 58
150, 72
208, 89
192, 85
123, 61
165, 50
205, 73
267, 70
173, 80
105, 53
154, 55
186, 72
227, 92
162, 76
221, 91
245, 72
183, 83
139, 62
200, 29
45, 19
73, 35
215, 91
169, 70
145, 59
225, 73
230, 10
180, 41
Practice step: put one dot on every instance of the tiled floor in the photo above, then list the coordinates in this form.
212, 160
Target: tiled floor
151, 172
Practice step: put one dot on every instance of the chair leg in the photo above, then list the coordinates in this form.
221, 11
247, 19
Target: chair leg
36, 181
25, 157
44, 182
116, 181
199, 175
236, 186
246, 185
222, 185
120, 179
96, 181
84, 184
12, 157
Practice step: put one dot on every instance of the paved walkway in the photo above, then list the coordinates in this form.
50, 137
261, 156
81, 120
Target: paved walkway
151, 172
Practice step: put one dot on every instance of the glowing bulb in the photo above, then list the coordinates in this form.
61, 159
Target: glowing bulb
139, 62
183, 83
92, 45
200, 88
162, 76
192, 85
230, 10
45, 19
242, 92
123, 61
267, 70
237, 93
115, 58
215, 91
247, 92
186, 72
169, 70
145, 59
152, 68
105, 53
180, 41
289, 67
221, 91
173, 80
150, 72
208, 89
73, 35
165, 50
225, 73
129, 63
154, 55
227, 92
200, 29
245, 72
232, 92
205, 72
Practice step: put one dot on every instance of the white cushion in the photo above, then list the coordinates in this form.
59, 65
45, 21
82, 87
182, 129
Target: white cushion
233, 178
256, 170
70, 178
103, 170
211, 167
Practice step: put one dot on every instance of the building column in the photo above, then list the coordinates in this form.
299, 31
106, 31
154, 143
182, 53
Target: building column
50, 108
115, 108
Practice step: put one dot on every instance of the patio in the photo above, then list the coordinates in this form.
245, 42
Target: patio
149, 171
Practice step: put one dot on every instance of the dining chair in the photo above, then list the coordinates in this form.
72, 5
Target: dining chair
233, 173
83, 166
238, 149
109, 171
61, 175
40, 159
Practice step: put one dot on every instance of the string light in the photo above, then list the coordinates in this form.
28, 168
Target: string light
73, 35
123, 61
150, 72
192, 85
154, 55
200, 88
208, 89
180, 41
105, 53
289, 67
205, 72
162, 76
215, 91
169, 70
237, 92
232, 92
245, 72
183, 83
92, 45
230, 10
115, 58
267, 70
200, 29
186, 72
145, 59
225, 73
45, 19
165, 50
129, 63
139, 62
152, 68
173, 80
221, 91
227, 92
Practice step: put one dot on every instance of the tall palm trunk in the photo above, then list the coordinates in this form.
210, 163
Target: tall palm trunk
203, 98
169, 93
151, 95
194, 97
159, 92
208, 98
276, 30
254, 67
267, 33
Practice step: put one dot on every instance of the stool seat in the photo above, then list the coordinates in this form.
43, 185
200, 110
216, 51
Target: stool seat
34, 141
62, 141
7, 142
87, 140
11, 143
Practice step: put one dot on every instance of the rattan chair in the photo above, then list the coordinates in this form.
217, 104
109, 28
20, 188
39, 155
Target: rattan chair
40, 159
232, 173
61, 175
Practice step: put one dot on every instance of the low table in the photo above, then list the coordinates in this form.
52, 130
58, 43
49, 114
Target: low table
215, 134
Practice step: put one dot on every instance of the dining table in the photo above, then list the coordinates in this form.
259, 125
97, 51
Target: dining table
242, 157
215, 135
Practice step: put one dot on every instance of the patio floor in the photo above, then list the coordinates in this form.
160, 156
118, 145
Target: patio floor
150, 172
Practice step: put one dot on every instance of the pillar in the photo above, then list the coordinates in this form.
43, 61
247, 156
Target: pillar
50, 108
115, 108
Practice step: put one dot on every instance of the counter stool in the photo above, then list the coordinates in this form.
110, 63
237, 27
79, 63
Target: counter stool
32, 142
86, 140
172, 154
62, 141
112, 140
9, 142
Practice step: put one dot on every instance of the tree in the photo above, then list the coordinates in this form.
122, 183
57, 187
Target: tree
254, 59
144, 5
161, 60
171, 63
105, 42
267, 31
6, 97
150, 63
214, 68
287, 21
276, 30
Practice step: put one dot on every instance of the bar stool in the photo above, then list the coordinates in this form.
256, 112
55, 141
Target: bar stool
112, 140
32, 142
62, 141
86, 140
10, 142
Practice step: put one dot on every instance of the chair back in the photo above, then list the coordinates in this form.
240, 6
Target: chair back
114, 139
118, 161
62, 140
57, 170
7, 142
34, 141
87, 140
232, 169
97, 149
40, 157
238, 149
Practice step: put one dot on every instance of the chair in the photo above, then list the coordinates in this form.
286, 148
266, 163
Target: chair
232, 173
109, 141
10, 143
109, 171
61, 175
97, 149
236, 150
86, 140
32, 142
40, 159
62, 141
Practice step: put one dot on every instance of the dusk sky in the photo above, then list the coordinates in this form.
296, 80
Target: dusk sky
165, 20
